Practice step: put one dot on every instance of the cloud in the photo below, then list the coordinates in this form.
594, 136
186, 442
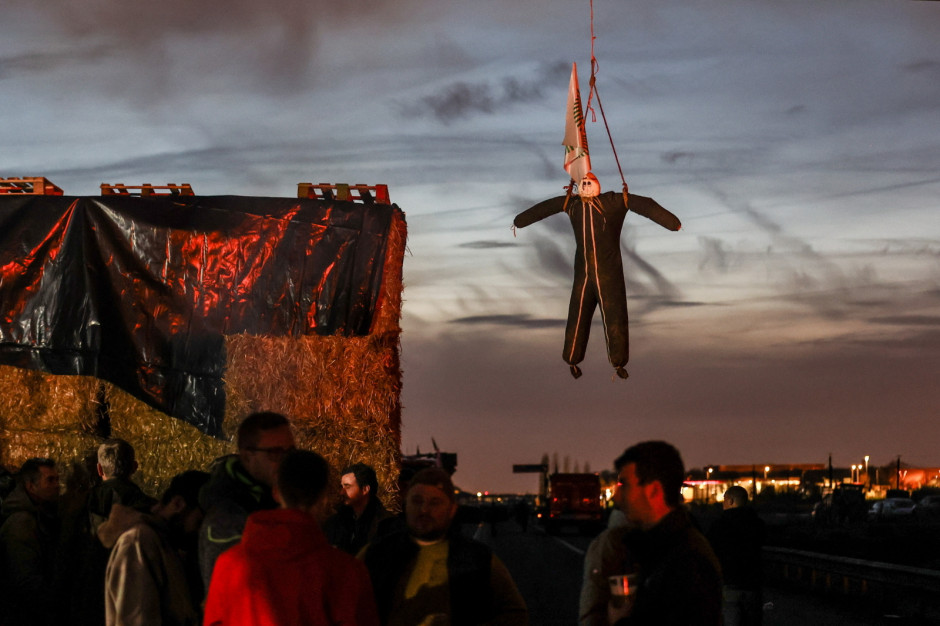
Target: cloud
157, 50
923, 66
554, 258
42, 62
907, 320
715, 254
461, 99
515, 321
486, 245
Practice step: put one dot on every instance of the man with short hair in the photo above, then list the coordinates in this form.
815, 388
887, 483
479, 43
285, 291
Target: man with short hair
358, 519
241, 483
283, 571
737, 538
147, 580
28, 541
429, 574
680, 580
117, 462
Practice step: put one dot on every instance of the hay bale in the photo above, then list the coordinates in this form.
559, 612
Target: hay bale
62, 446
34, 400
342, 395
164, 446
343, 444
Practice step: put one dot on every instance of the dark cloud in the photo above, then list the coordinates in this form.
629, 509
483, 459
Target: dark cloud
554, 258
798, 271
41, 62
655, 282
486, 245
715, 254
515, 320
161, 48
676, 304
459, 100
675, 156
462, 99
908, 320
923, 66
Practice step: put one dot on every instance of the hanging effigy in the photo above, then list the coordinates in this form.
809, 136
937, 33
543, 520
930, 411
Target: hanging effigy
597, 219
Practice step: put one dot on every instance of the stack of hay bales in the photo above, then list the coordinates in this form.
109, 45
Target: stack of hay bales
46, 416
342, 395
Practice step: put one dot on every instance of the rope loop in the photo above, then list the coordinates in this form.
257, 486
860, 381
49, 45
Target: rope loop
595, 67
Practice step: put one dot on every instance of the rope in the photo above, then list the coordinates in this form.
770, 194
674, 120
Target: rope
595, 66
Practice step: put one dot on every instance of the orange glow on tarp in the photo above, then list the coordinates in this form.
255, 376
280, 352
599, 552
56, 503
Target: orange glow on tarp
140, 291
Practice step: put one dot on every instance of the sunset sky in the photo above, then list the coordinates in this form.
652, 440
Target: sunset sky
794, 315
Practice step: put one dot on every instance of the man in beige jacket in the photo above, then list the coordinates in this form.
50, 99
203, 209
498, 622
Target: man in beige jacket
148, 580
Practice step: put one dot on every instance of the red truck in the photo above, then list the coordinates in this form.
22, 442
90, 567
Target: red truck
574, 500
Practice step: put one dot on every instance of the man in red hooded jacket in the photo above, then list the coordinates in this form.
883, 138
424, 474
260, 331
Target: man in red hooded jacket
283, 572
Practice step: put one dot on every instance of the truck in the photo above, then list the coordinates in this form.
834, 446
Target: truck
573, 500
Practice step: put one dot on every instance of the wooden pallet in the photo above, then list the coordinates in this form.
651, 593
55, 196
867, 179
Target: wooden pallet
341, 191
145, 190
33, 186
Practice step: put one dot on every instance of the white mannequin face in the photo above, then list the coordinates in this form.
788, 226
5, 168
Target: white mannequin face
588, 188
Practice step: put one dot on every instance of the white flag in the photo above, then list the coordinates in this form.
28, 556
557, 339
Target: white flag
577, 159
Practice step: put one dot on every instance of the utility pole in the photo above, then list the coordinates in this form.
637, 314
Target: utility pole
897, 478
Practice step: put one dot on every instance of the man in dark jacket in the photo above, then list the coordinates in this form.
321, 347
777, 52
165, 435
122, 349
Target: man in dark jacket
240, 484
28, 541
428, 574
737, 538
117, 463
147, 579
679, 575
358, 519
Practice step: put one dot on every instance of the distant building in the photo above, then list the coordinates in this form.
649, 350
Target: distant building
807, 479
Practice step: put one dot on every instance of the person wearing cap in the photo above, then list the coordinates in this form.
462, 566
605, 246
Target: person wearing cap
429, 574
597, 220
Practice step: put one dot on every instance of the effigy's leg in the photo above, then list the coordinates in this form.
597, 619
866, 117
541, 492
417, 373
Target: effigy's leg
612, 294
580, 311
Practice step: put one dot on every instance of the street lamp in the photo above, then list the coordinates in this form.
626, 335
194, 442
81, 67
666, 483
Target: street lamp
853, 473
708, 485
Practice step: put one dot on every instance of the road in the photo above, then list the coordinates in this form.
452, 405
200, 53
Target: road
548, 569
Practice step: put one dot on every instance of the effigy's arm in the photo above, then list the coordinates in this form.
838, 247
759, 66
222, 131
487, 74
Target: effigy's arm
540, 211
650, 209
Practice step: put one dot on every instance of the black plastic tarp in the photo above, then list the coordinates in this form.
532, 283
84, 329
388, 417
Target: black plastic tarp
140, 291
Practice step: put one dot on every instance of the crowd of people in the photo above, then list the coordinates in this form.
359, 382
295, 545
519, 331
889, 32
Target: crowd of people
256, 540
259, 540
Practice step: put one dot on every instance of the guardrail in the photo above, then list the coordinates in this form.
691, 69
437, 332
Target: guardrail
899, 588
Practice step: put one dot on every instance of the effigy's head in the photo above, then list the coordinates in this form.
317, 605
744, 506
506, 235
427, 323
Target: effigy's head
589, 186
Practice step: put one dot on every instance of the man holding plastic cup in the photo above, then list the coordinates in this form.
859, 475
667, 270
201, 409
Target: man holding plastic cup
678, 580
